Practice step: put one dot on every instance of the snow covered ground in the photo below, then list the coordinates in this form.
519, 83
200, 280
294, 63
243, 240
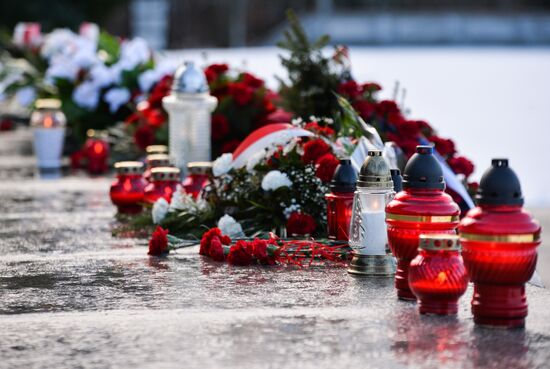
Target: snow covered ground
494, 102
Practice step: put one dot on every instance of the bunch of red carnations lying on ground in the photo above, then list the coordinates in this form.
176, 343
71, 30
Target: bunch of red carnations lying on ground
273, 251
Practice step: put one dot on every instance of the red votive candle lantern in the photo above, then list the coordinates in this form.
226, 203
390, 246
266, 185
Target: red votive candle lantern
96, 149
164, 183
128, 188
155, 161
340, 201
421, 208
198, 178
437, 276
499, 241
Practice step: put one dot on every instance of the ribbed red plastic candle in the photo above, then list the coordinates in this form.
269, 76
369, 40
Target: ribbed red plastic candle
340, 201
164, 183
127, 190
437, 275
499, 241
421, 208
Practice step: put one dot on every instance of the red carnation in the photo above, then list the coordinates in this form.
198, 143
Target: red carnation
461, 165
161, 89
300, 224
132, 118
207, 238
350, 89
395, 118
313, 150
216, 249
6, 124
251, 80
158, 244
326, 165
220, 126
240, 254
259, 251
445, 147
241, 93
424, 127
144, 136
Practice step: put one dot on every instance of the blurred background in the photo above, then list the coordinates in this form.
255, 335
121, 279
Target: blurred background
477, 70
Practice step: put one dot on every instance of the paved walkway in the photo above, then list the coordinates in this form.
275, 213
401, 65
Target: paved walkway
72, 295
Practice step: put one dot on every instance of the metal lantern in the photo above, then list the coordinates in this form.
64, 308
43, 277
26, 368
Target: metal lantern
368, 236
48, 123
189, 106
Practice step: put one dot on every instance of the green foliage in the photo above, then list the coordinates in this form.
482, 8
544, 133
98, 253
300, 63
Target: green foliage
309, 90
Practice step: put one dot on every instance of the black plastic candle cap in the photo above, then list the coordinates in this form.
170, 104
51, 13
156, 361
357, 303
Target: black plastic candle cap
423, 170
345, 177
397, 180
499, 185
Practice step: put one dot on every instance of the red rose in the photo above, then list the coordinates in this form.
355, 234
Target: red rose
316, 128
220, 127
251, 80
326, 166
158, 244
216, 249
461, 165
313, 150
365, 108
300, 223
350, 89
160, 90
213, 71
207, 238
240, 254
144, 136
395, 118
242, 93
132, 118
424, 127
443, 146
230, 146
371, 87
386, 106
155, 117
407, 128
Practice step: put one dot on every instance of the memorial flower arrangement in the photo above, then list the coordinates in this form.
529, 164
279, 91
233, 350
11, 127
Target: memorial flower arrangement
280, 189
97, 77
244, 104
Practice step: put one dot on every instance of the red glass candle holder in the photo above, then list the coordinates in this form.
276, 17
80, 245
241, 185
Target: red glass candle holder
198, 178
421, 208
499, 241
437, 276
96, 149
155, 161
165, 181
127, 190
340, 201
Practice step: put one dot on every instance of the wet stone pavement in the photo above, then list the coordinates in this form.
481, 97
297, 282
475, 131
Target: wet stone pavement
72, 295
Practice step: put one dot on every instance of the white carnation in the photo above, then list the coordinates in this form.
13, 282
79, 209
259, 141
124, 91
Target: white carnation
86, 95
230, 227
147, 79
116, 97
101, 75
274, 180
181, 201
222, 165
62, 68
57, 42
160, 209
133, 53
26, 95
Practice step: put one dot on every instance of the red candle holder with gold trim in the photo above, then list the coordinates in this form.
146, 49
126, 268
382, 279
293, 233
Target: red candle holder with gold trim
127, 190
165, 181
